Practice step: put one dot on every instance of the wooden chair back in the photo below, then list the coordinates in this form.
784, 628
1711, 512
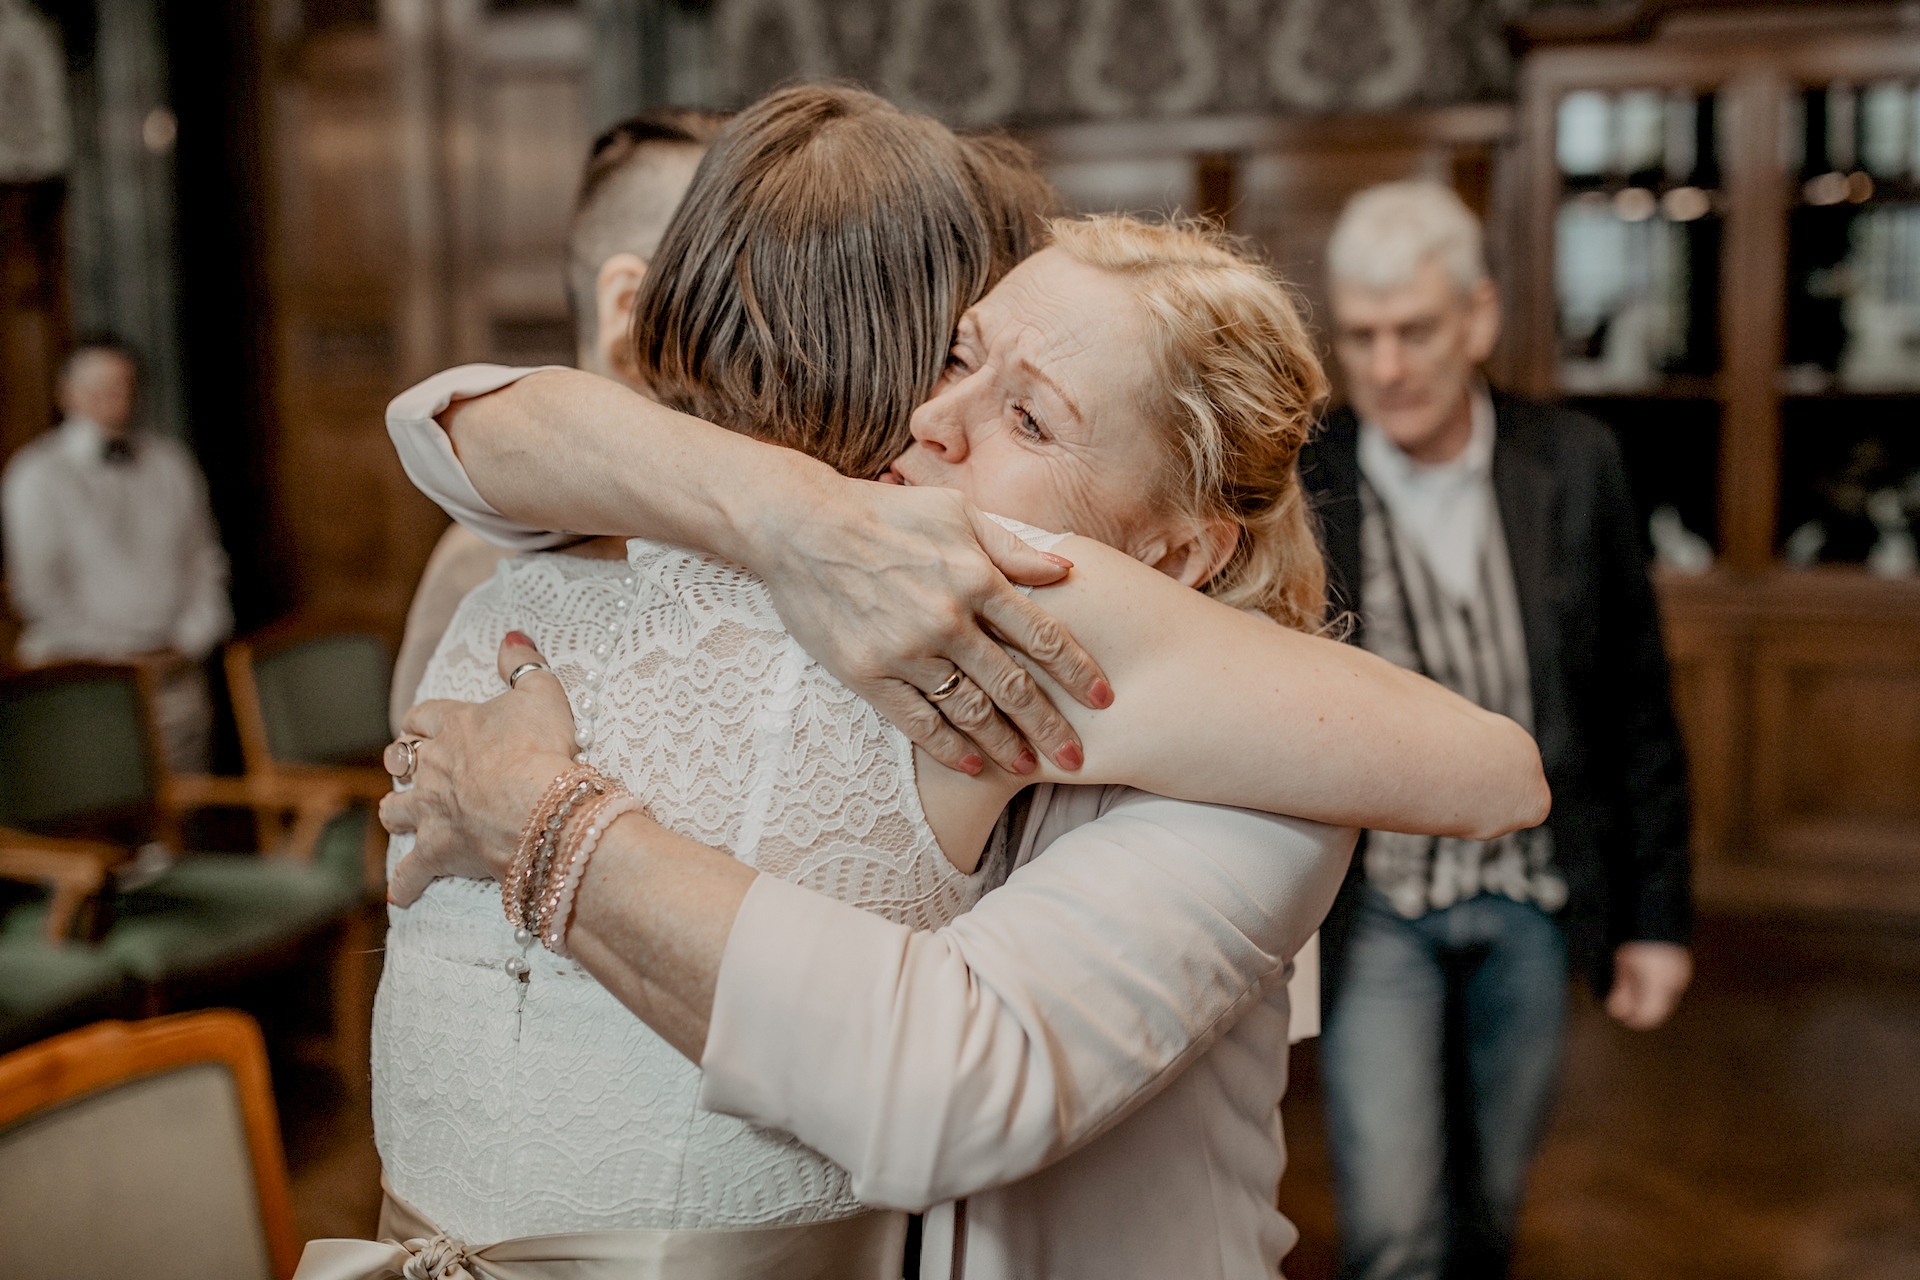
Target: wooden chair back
79, 754
311, 694
146, 1149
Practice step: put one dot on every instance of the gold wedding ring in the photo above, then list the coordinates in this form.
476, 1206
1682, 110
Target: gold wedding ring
947, 687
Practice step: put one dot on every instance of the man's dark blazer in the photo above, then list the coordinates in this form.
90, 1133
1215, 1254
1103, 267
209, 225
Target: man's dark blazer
1601, 710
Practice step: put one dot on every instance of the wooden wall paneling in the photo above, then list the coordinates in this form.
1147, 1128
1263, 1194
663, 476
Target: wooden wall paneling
1707, 639
361, 532
34, 317
413, 36
521, 103
1280, 182
426, 166
1752, 319
1837, 744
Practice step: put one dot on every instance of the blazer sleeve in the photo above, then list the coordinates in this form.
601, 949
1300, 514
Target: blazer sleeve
430, 462
933, 1065
1652, 784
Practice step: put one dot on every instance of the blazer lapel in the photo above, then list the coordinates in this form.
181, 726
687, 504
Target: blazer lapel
1526, 489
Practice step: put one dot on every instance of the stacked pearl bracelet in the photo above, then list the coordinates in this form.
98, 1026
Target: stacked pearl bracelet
565, 885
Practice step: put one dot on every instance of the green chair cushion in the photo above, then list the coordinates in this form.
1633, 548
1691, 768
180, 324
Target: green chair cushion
36, 978
325, 701
211, 908
71, 748
46, 989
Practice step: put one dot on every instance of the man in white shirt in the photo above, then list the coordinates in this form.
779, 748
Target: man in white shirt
634, 178
111, 551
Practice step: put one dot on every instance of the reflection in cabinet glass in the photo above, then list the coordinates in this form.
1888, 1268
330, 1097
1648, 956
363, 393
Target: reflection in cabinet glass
1636, 239
1853, 303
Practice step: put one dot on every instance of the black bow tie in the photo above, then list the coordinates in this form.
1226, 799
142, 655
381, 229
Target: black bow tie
117, 452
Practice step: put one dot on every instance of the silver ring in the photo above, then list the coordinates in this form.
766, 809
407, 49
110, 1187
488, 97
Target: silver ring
947, 687
513, 677
401, 752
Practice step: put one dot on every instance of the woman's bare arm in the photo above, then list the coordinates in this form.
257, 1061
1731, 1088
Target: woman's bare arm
1218, 706
890, 592
1215, 706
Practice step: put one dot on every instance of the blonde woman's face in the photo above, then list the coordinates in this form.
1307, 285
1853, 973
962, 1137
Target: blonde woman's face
1042, 413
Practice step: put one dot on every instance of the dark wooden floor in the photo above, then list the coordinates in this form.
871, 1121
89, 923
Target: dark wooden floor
1771, 1132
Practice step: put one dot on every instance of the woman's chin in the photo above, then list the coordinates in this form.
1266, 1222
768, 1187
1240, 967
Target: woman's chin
890, 476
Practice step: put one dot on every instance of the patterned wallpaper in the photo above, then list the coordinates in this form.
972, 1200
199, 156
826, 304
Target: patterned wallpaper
988, 61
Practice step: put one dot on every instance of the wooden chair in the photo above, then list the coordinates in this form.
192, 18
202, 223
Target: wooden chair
310, 703
148, 1149
82, 788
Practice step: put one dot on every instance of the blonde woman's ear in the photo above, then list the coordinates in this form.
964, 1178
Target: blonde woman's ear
1197, 551
614, 292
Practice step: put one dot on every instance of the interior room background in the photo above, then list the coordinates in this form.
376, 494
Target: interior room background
297, 207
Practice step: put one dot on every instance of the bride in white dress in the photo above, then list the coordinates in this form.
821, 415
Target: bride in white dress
514, 1095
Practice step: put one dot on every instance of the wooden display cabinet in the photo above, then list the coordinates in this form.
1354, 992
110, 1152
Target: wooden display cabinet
1749, 394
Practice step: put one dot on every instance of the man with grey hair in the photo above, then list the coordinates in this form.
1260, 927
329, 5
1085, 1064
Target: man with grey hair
1488, 542
635, 175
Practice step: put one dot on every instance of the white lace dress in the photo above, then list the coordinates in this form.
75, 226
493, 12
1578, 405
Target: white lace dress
507, 1107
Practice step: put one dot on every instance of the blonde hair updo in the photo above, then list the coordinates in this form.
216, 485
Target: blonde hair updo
1242, 384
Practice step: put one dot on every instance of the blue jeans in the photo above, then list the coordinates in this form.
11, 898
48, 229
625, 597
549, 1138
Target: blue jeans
1438, 1062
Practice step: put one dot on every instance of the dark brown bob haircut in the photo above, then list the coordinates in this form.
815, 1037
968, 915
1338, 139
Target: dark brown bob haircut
807, 289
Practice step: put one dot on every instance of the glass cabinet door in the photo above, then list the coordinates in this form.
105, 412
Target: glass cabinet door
1636, 239
1637, 231
1850, 459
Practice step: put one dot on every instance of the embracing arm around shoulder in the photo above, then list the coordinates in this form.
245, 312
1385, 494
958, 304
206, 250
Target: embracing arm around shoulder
890, 591
1224, 707
1216, 706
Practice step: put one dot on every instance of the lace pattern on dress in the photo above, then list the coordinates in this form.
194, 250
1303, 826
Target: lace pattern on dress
506, 1106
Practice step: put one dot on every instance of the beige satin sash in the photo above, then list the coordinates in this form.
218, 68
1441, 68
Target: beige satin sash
866, 1247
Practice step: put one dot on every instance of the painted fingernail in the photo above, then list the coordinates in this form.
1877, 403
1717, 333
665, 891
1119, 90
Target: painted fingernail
1069, 756
520, 638
1062, 561
390, 901
1101, 694
971, 765
1025, 763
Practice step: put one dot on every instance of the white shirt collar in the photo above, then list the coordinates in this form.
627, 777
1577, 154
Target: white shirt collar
1380, 454
1442, 507
82, 440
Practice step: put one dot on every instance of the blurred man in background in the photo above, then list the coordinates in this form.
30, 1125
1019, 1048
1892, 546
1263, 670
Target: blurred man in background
111, 550
635, 176
1489, 543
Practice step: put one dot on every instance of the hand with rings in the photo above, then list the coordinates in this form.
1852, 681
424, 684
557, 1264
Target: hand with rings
470, 794
966, 706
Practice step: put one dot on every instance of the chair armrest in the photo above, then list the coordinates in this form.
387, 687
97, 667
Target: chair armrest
312, 802
72, 871
359, 781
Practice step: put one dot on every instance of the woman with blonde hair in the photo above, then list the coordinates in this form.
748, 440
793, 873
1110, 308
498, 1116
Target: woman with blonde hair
1143, 386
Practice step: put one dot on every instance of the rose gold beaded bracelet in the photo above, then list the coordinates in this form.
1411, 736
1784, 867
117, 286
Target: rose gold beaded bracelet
539, 838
